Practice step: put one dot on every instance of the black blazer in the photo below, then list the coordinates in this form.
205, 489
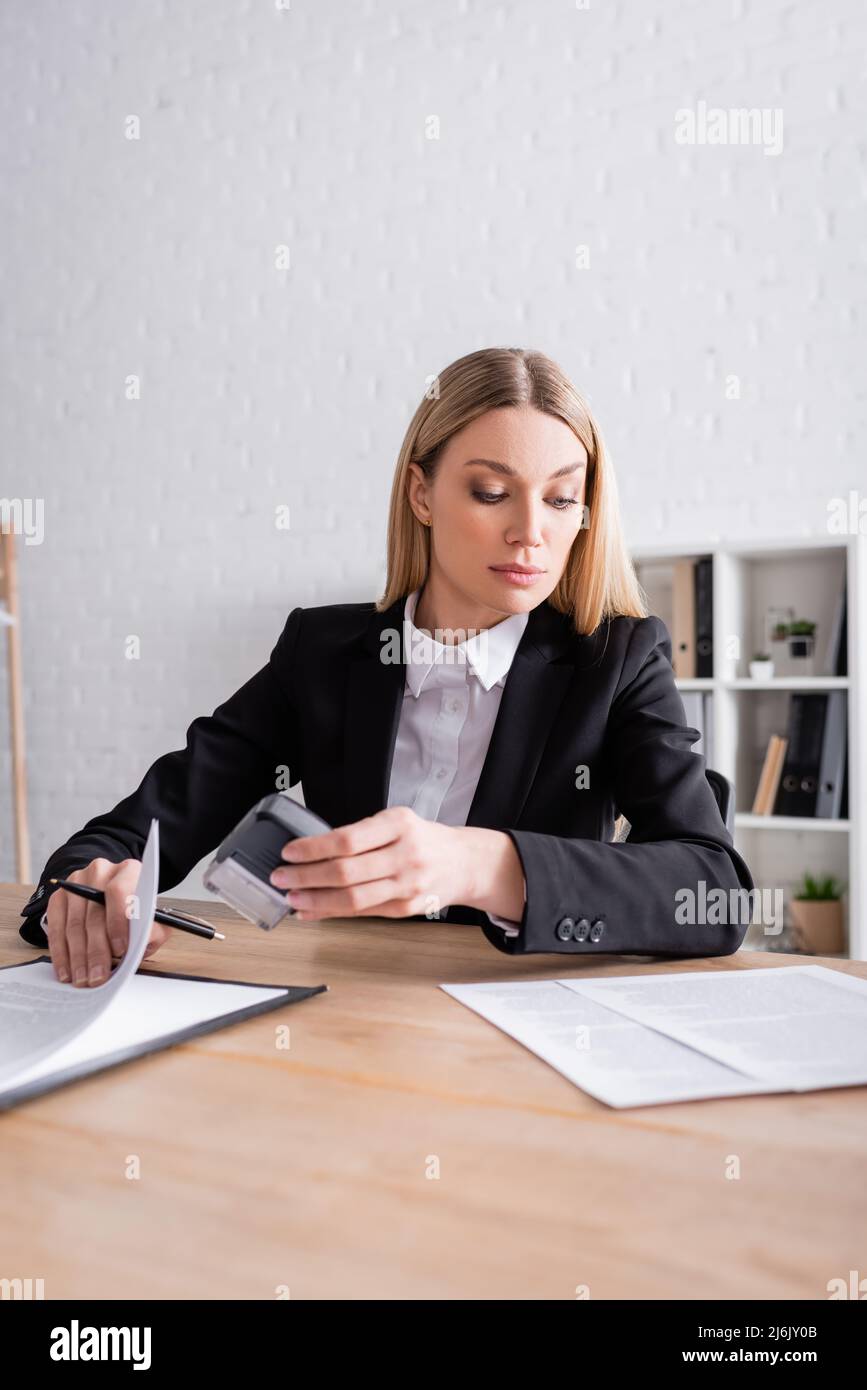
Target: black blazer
326, 708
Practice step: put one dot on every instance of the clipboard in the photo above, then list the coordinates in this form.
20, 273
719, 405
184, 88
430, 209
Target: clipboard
53, 1080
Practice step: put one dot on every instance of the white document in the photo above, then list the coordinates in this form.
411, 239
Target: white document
653, 1039
799, 1028
38, 1014
51, 1033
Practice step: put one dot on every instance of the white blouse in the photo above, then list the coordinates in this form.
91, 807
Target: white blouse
450, 702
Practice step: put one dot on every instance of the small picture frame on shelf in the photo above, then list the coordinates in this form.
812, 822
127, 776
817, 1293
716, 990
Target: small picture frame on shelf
777, 622
792, 639
802, 645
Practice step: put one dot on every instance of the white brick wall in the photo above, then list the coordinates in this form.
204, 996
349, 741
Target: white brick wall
156, 257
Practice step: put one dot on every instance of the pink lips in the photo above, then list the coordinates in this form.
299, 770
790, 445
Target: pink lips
522, 577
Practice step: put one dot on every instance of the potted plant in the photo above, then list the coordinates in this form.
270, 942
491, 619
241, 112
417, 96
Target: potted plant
817, 914
761, 666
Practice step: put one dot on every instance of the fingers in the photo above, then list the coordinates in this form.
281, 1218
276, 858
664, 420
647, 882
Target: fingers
118, 891
86, 938
55, 930
360, 900
340, 872
75, 939
159, 935
122, 902
96, 942
369, 833
374, 863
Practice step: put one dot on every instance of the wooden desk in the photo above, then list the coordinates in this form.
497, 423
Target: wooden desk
307, 1167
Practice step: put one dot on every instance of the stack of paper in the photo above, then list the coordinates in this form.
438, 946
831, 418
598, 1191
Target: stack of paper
650, 1039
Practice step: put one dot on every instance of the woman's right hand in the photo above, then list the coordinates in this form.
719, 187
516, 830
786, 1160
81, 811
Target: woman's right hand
84, 937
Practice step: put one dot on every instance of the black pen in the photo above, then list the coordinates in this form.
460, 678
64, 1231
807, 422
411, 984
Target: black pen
180, 920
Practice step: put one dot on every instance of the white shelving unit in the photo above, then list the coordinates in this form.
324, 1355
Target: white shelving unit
750, 577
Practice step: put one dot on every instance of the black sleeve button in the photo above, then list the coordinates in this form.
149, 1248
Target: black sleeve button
597, 929
564, 928
582, 929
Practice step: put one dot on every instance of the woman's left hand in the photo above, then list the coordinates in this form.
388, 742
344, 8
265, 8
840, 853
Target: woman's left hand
392, 864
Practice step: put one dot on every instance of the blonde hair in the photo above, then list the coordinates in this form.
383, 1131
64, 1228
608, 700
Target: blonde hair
598, 579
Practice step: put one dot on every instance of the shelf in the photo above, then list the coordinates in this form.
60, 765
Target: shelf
745, 820
776, 547
775, 683
782, 548
757, 585
788, 683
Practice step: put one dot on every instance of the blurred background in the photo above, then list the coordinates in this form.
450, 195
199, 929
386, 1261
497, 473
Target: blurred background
240, 238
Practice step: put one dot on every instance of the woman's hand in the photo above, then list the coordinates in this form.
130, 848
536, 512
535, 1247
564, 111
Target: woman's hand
392, 864
84, 937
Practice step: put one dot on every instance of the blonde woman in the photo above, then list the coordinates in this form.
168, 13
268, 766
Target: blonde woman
473, 735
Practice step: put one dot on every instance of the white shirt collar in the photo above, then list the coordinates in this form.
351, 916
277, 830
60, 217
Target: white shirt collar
488, 655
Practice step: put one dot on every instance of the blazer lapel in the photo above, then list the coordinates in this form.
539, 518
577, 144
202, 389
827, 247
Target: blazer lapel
373, 703
534, 690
